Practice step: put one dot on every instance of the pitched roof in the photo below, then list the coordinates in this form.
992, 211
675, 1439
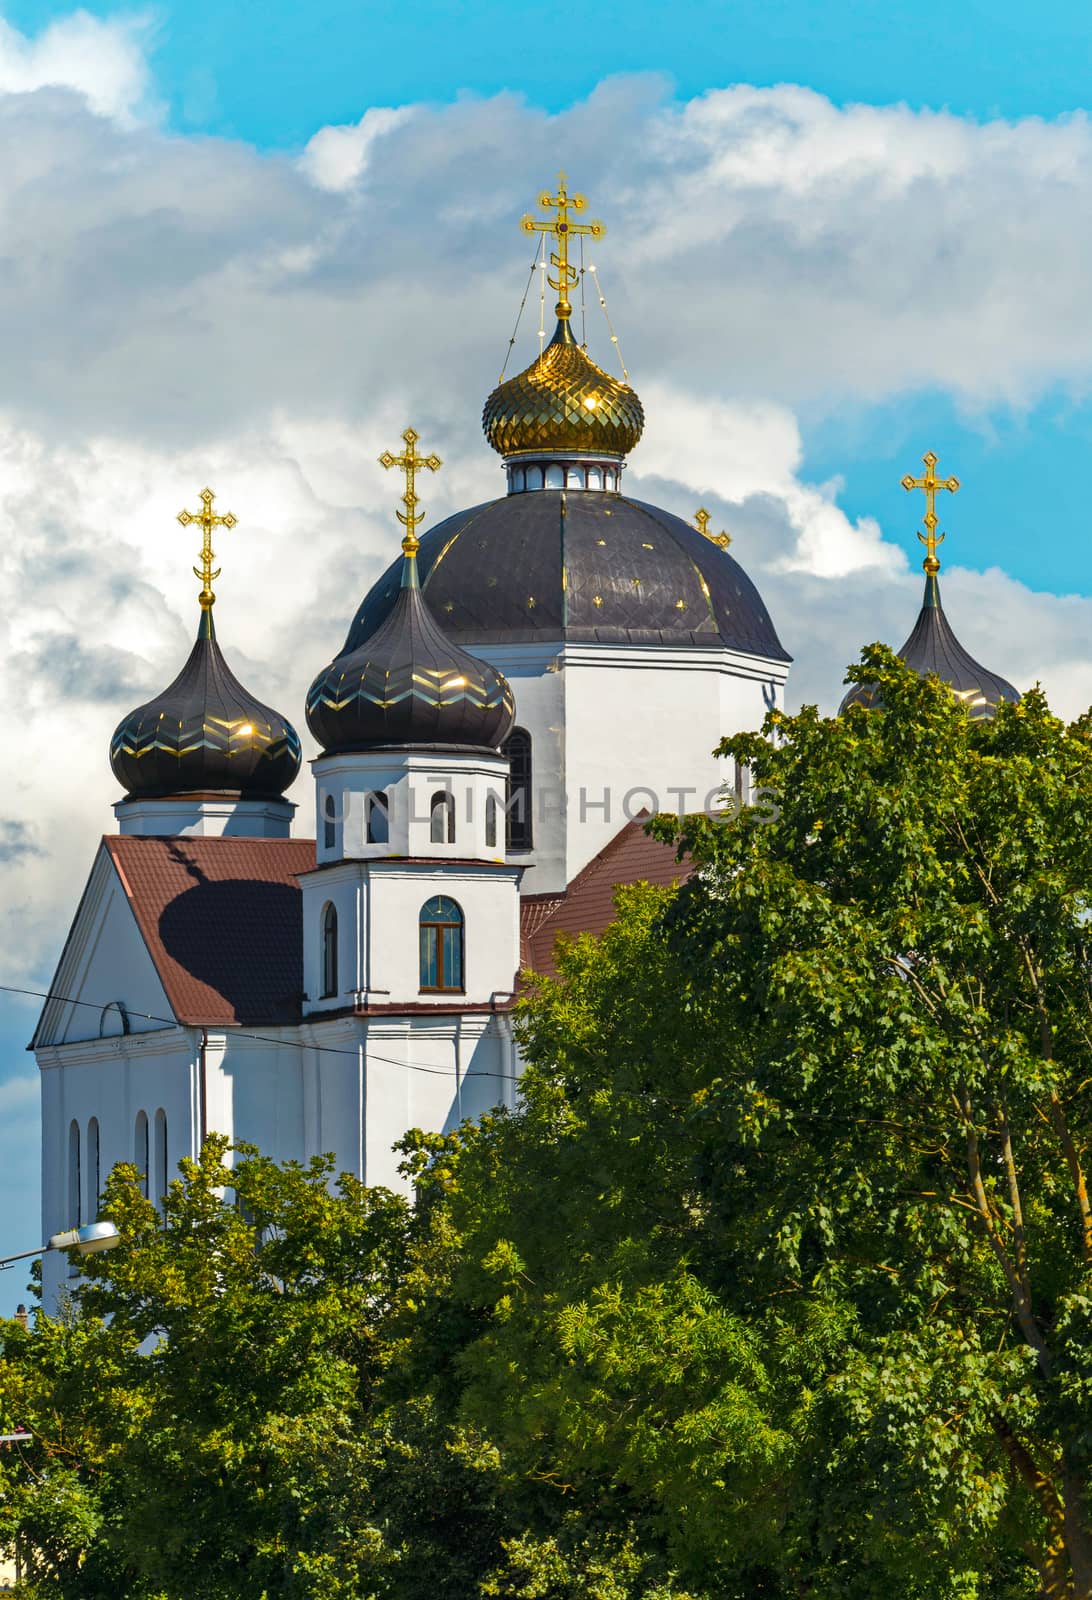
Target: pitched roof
588, 904
222, 919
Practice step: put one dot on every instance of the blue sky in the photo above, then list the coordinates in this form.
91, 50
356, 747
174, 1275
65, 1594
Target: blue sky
790, 377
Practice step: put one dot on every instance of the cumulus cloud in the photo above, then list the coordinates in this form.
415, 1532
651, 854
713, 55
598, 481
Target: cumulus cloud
182, 310
102, 60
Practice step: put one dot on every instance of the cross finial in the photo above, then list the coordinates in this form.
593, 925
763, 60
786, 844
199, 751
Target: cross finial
930, 483
701, 522
409, 461
562, 227
207, 519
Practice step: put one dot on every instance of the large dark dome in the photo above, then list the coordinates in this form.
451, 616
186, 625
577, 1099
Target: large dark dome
583, 566
205, 732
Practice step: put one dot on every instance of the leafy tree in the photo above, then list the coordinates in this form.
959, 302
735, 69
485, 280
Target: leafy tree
781, 1277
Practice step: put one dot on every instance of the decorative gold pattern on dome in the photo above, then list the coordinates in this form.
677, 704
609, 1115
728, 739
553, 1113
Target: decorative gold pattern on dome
563, 401
206, 520
930, 483
409, 461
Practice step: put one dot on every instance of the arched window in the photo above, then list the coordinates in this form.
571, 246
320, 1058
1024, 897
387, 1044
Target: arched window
442, 811
441, 924
160, 1155
329, 822
555, 477
94, 1169
140, 1151
75, 1184
517, 750
491, 822
329, 951
378, 821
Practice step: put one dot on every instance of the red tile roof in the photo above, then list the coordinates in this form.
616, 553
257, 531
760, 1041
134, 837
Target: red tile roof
588, 905
222, 919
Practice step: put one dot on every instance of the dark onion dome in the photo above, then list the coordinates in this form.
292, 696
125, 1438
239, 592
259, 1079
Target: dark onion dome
563, 402
933, 648
205, 733
406, 683
582, 566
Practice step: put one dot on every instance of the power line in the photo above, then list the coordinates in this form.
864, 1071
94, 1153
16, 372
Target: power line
257, 1038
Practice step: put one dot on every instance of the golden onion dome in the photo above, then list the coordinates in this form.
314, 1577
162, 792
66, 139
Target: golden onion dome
563, 402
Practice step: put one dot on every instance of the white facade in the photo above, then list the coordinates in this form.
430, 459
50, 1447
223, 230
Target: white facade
621, 729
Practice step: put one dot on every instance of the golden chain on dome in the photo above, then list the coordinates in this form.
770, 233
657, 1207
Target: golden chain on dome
207, 519
410, 461
610, 324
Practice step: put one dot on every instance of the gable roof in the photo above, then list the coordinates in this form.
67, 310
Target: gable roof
222, 919
587, 906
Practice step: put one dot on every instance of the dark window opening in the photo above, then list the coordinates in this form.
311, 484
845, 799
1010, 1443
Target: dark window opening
329, 823
442, 813
517, 750
329, 952
378, 821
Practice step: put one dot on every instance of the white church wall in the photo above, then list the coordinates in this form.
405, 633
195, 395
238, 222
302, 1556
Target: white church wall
408, 781
106, 981
539, 691
641, 725
105, 1085
378, 906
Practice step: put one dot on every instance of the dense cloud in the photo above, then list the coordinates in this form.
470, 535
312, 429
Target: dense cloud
176, 310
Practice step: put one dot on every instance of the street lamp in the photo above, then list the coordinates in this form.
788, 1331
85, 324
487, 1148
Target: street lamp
86, 1241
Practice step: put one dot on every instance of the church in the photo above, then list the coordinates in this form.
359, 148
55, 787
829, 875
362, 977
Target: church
525, 683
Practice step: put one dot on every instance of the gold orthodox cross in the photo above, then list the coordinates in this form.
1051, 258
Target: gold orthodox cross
562, 227
930, 483
207, 519
410, 461
701, 520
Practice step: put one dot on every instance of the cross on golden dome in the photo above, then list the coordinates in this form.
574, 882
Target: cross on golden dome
930, 483
562, 228
206, 520
701, 522
410, 461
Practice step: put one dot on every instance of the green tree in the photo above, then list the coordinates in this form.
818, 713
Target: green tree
780, 1279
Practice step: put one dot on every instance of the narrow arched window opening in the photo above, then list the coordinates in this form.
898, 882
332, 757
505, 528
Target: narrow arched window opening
442, 813
491, 822
75, 1182
329, 952
161, 1168
378, 819
441, 928
329, 822
94, 1169
517, 750
140, 1151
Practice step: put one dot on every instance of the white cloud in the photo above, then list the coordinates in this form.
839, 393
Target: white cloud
177, 311
336, 156
102, 60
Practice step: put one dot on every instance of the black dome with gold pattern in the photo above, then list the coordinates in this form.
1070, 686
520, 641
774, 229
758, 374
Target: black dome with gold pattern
933, 648
405, 683
579, 566
563, 402
205, 732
